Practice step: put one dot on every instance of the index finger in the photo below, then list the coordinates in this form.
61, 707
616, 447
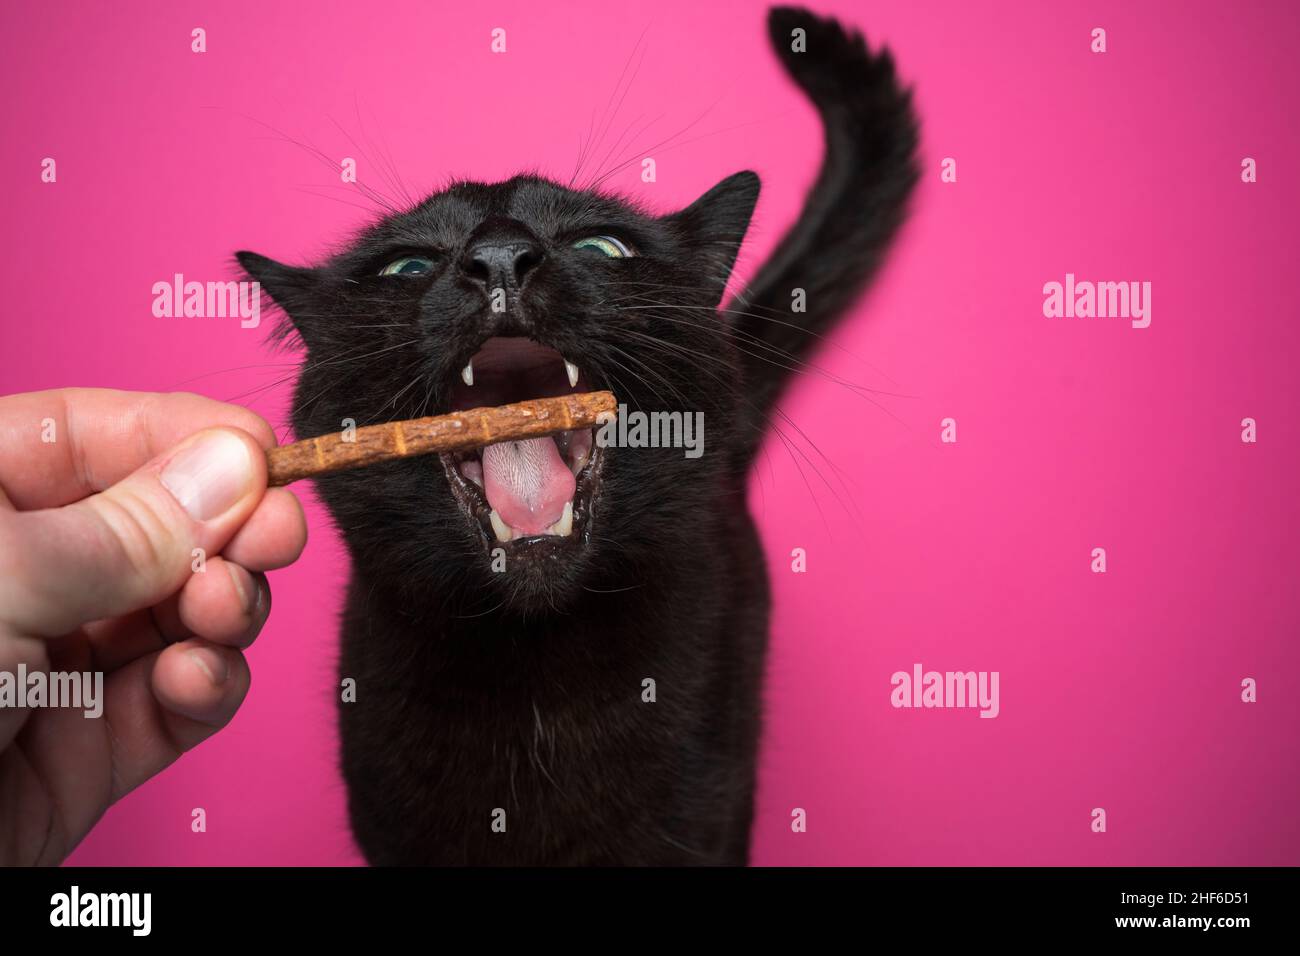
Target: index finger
61, 445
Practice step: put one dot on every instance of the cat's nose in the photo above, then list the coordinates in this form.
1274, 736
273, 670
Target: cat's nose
501, 263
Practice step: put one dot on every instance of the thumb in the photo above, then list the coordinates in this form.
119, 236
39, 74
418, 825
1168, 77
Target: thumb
132, 545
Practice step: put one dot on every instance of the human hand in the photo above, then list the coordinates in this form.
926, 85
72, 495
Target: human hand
103, 532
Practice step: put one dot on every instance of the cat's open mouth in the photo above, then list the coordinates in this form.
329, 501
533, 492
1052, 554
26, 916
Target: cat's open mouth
524, 493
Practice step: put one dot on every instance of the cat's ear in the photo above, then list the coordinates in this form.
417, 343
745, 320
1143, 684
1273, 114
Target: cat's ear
292, 288
715, 224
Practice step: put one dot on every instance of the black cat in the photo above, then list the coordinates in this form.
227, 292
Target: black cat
507, 611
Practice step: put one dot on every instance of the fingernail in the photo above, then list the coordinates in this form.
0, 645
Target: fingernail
209, 475
237, 576
263, 591
212, 664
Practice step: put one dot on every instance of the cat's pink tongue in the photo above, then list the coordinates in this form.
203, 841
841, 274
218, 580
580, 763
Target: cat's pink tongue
527, 483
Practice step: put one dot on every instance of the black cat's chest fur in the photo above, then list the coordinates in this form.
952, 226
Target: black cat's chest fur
595, 698
533, 741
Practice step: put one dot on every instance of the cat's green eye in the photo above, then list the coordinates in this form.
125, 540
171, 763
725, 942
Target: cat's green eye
605, 245
408, 266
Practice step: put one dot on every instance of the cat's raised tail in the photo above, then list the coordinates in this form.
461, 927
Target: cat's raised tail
849, 215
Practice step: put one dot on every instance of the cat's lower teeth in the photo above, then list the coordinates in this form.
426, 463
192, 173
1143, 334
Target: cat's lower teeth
499, 527
576, 449
562, 528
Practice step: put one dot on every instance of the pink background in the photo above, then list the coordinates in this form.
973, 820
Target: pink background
1118, 690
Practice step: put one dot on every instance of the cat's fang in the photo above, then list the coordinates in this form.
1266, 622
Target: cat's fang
572, 371
467, 373
499, 527
563, 527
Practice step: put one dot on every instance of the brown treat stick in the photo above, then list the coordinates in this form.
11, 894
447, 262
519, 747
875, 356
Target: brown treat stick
458, 431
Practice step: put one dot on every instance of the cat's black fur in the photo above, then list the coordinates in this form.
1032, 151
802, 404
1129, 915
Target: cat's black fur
523, 691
